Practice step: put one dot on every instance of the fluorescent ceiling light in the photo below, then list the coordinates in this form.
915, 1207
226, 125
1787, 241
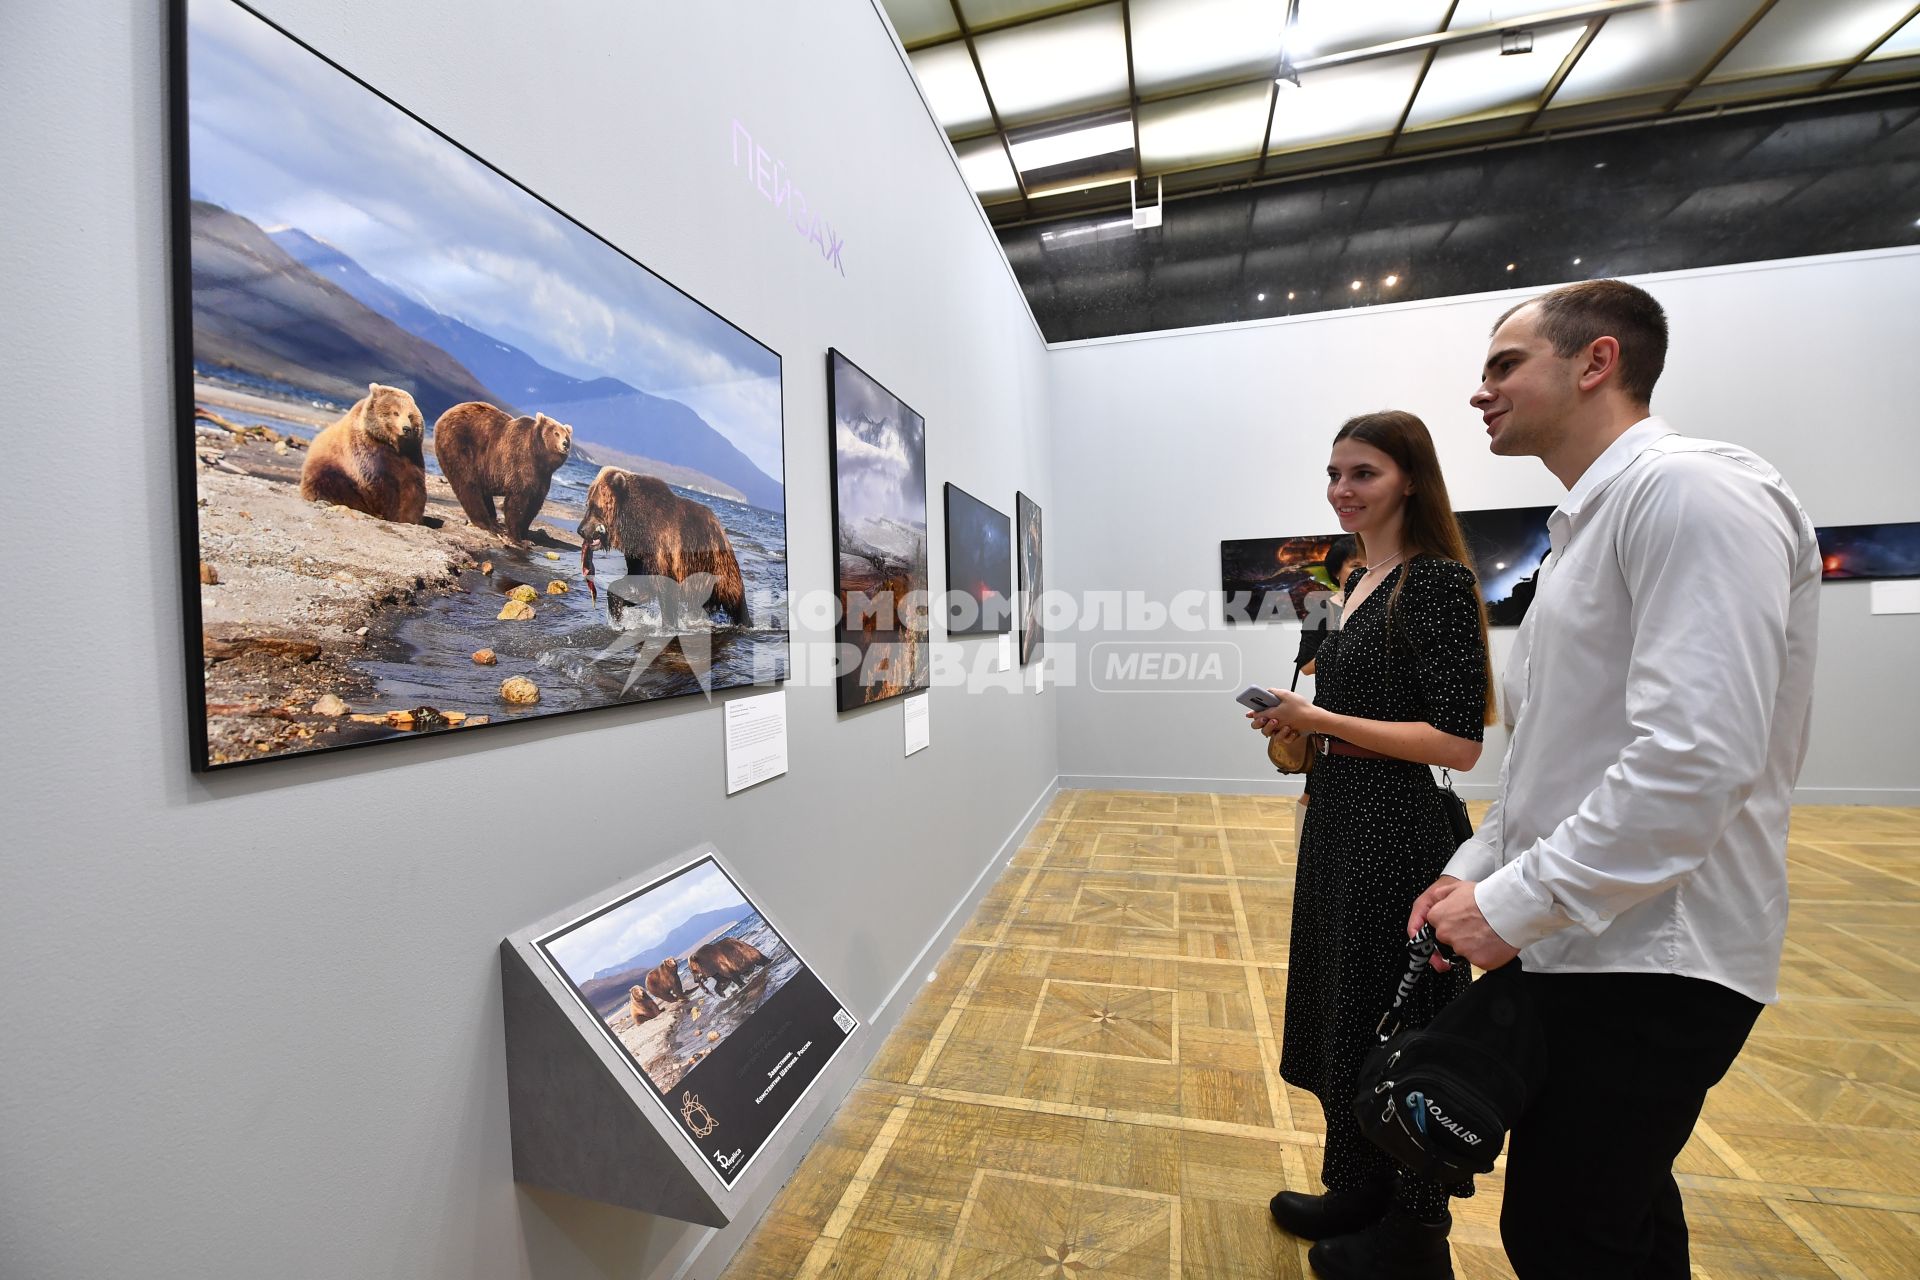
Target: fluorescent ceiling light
953, 90
1075, 62
1804, 35
1362, 99
1206, 128
1180, 44
1651, 49
1334, 26
1472, 78
984, 163
1081, 144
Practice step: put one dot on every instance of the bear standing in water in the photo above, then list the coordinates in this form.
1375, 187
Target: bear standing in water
487, 453
725, 961
663, 981
370, 460
663, 536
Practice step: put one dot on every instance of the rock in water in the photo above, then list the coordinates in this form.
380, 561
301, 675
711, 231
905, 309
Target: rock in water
484, 657
516, 611
557, 588
553, 555
486, 566
519, 689
209, 576
329, 704
523, 593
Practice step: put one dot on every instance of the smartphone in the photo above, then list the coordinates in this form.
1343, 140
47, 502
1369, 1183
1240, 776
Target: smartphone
1257, 698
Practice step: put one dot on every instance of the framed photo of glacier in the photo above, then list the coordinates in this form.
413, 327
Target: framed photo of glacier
707, 1003
879, 462
445, 461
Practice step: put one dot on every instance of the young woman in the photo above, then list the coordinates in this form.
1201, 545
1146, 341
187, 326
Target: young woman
1403, 684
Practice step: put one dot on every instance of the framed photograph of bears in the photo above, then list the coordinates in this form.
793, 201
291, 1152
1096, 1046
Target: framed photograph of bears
444, 462
707, 1002
879, 463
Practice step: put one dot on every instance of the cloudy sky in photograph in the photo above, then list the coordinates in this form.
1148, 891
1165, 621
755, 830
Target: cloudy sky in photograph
880, 445
645, 922
283, 139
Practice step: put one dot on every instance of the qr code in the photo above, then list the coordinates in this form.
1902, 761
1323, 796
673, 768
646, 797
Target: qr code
843, 1020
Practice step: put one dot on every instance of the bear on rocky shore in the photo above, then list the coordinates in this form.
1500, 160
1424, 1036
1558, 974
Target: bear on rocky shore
664, 537
370, 459
487, 453
663, 981
641, 1005
724, 961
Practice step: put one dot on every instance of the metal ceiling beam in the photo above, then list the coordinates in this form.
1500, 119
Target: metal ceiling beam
1413, 44
1419, 81
1133, 91
1869, 51
1567, 65
1273, 90
1720, 55
1006, 24
1006, 143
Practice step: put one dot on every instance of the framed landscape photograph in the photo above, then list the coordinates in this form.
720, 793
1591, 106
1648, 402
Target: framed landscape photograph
1507, 547
1273, 579
979, 566
1856, 551
1026, 514
447, 457
707, 1002
879, 464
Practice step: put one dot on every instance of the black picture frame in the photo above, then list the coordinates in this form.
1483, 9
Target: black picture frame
347, 735
873, 593
1030, 556
975, 569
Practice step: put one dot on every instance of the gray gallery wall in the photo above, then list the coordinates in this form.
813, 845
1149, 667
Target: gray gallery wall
1166, 444
250, 1023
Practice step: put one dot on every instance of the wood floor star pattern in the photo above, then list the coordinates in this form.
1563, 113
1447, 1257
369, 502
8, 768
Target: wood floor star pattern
1088, 1088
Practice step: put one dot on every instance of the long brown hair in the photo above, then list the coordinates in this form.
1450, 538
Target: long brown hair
1427, 526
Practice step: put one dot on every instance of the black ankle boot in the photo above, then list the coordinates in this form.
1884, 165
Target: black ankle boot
1398, 1247
1336, 1213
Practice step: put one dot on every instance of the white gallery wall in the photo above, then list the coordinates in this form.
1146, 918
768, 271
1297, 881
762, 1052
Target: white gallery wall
1166, 444
251, 1021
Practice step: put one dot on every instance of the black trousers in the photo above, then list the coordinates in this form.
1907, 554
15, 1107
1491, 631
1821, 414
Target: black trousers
1590, 1193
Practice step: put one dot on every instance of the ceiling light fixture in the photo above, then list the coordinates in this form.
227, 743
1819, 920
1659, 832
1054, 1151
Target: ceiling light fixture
1512, 265
1259, 297
1576, 262
1516, 40
1289, 295
1356, 284
1076, 144
1392, 281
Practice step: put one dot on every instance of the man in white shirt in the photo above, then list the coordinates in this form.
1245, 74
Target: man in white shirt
1635, 859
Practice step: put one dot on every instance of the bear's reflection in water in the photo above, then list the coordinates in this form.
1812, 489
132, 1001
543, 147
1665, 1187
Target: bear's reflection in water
668, 1046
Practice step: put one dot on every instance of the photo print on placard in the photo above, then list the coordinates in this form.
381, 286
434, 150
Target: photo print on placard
1032, 580
447, 456
879, 461
979, 566
707, 1001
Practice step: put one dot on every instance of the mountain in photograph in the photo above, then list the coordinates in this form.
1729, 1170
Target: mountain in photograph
609, 987
604, 411
259, 311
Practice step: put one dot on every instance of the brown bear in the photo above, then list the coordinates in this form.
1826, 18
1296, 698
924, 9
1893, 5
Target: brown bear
663, 981
370, 460
487, 453
724, 961
642, 1006
665, 537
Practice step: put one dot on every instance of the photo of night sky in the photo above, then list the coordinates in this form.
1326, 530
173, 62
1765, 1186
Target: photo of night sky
1507, 547
1851, 551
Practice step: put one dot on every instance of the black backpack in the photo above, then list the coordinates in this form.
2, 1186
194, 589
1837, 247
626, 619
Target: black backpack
1441, 1099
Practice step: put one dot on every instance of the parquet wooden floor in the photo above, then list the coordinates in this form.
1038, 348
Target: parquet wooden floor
1087, 1088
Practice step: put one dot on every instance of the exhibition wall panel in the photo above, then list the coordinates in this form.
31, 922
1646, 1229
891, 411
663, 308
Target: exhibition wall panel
1166, 444
169, 1111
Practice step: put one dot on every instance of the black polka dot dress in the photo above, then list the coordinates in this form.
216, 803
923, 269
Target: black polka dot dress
1375, 836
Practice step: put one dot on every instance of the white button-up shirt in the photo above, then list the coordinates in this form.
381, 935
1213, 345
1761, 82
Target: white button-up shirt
1663, 681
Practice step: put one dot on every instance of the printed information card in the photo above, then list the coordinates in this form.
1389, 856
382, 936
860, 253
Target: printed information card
756, 739
919, 731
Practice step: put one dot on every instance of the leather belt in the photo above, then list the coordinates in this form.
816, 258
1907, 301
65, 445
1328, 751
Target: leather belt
1341, 747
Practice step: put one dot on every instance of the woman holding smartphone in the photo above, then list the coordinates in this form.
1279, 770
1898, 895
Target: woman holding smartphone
1405, 683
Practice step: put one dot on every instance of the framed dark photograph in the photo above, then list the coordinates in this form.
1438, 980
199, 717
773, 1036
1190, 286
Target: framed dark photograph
1026, 513
1507, 546
1863, 551
1274, 579
445, 459
979, 566
879, 462
707, 1002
